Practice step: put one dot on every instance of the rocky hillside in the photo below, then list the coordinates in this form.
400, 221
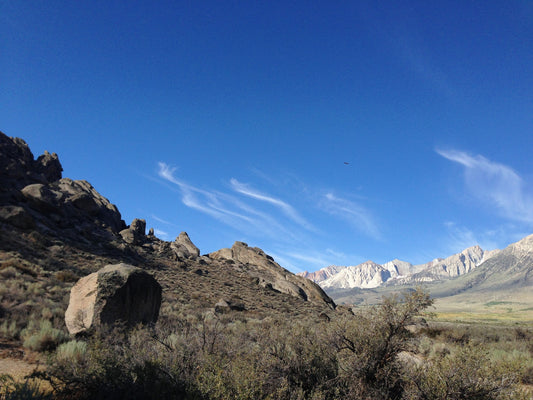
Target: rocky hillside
509, 269
397, 272
55, 230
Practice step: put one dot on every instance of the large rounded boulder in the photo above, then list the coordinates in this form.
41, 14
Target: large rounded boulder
115, 293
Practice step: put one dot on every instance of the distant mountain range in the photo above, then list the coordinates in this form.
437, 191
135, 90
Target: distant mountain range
501, 282
396, 272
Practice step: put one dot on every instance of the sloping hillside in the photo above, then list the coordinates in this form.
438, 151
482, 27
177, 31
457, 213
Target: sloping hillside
54, 230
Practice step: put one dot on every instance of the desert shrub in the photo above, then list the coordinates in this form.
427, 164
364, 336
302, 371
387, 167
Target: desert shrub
301, 361
25, 390
465, 374
73, 351
22, 266
117, 364
9, 329
370, 342
227, 362
527, 376
46, 313
35, 289
66, 276
440, 349
523, 334
272, 360
8, 272
521, 359
42, 336
457, 335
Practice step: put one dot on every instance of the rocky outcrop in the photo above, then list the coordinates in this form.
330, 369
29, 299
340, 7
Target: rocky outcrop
114, 293
271, 275
34, 194
135, 233
74, 203
184, 248
17, 216
225, 305
18, 168
49, 167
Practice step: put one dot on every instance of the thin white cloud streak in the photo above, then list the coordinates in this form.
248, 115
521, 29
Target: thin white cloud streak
209, 205
351, 212
290, 259
286, 208
315, 259
461, 237
495, 184
227, 208
161, 220
161, 234
289, 230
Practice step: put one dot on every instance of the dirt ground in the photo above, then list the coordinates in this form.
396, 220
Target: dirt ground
17, 361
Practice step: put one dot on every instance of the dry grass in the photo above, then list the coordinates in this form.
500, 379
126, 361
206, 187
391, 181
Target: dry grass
505, 308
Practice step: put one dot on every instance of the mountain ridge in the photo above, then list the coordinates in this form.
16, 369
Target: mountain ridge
397, 272
501, 282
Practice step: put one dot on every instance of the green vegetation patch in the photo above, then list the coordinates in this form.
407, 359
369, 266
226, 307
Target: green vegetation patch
498, 303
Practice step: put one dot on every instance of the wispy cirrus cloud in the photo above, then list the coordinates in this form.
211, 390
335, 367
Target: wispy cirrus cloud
161, 234
354, 214
495, 184
160, 220
286, 208
460, 237
233, 211
205, 201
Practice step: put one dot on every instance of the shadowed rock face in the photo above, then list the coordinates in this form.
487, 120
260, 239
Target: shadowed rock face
18, 167
33, 192
114, 293
135, 233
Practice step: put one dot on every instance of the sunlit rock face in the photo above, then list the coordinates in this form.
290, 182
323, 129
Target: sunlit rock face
271, 275
115, 293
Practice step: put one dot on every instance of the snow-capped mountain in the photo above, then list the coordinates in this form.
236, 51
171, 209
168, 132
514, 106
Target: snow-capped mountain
365, 275
398, 272
321, 274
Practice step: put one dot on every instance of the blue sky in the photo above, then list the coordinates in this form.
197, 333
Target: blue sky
235, 120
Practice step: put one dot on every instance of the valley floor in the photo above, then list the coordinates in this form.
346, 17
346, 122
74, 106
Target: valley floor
490, 308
